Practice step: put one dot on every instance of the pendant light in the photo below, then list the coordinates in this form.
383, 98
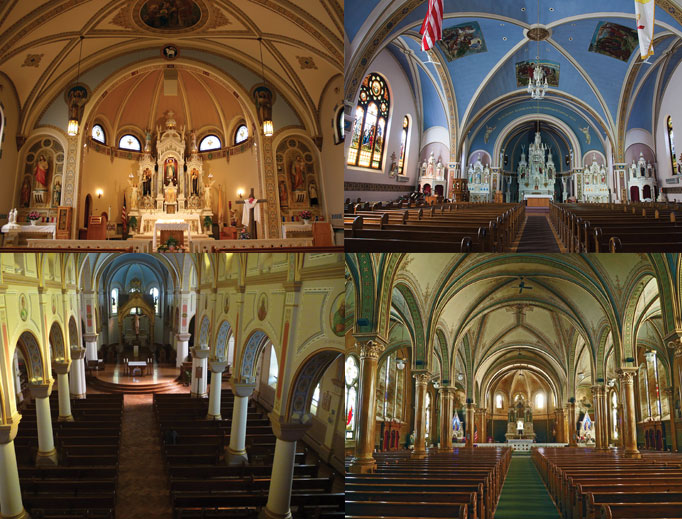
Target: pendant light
268, 125
74, 112
537, 84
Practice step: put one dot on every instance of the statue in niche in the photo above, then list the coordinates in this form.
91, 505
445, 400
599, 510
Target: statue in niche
529, 415
422, 169
312, 192
298, 174
134, 193
195, 181
430, 168
57, 194
440, 169
147, 182
42, 171
26, 193
170, 169
283, 194
511, 415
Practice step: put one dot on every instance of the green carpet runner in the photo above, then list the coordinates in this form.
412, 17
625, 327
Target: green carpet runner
524, 494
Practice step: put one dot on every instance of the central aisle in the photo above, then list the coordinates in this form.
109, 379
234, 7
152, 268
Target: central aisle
537, 235
142, 484
523, 493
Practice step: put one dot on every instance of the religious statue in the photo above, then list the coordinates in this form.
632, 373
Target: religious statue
207, 196
440, 169
312, 192
430, 168
147, 183
297, 174
422, 169
529, 414
57, 194
170, 172
195, 181
137, 324
134, 191
26, 193
41, 172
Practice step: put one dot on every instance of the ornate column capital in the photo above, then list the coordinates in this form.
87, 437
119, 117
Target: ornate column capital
200, 353
41, 390
217, 366
370, 349
61, 368
9, 431
627, 375
77, 353
674, 342
422, 378
184, 337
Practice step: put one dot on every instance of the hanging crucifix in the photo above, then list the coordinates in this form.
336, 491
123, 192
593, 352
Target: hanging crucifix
252, 213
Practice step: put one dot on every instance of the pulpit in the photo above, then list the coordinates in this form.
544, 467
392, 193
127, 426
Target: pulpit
97, 228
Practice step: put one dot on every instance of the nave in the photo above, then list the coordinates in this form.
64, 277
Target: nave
506, 385
249, 427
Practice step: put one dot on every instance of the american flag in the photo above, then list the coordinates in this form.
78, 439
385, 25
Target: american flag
432, 28
475, 434
124, 215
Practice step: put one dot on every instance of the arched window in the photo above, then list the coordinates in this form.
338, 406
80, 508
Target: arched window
427, 413
114, 301
274, 368
390, 388
339, 127
540, 401
315, 401
210, 143
614, 415
154, 292
645, 404
130, 142
403, 144
671, 143
98, 134
498, 401
352, 372
241, 135
369, 128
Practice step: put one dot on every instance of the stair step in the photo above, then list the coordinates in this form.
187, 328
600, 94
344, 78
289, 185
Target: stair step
135, 389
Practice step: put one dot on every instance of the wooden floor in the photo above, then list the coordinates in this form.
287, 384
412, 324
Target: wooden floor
115, 374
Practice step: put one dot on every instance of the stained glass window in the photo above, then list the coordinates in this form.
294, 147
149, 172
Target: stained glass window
130, 142
403, 144
241, 135
498, 401
209, 143
154, 292
427, 414
369, 128
540, 401
114, 301
274, 369
352, 372
98, 134
671, 143
339, 129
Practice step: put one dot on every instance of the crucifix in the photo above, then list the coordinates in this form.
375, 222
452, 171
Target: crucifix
251, 208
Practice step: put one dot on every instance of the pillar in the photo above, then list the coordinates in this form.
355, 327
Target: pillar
669, 391
364, 461
199, 368
421, 382
598, 422
559, 425
11, 505
17, 379
217, 368
571, 425
47, 454
77, 379
621, 433
281, 481
470, 425
446, 420
236, 451
90, 346
606, 411
62, 370
181, 348
483, 430
626, 376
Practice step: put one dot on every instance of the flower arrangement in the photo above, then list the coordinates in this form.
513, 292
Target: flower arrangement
34, 216
171, 245
208, 222
305, 215
132, 223
244, 234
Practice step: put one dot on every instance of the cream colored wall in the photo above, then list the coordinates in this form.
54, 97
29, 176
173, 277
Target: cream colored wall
240, 173
332, 167
8, 147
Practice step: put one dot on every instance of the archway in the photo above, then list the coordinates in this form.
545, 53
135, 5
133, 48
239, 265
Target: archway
33, 356
254, 347
57, 343
634, 194
73, 333
646, 192
305, 381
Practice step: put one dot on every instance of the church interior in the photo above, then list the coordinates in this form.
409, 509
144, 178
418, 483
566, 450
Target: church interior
143, 125
529, 105
168, 386
513, 385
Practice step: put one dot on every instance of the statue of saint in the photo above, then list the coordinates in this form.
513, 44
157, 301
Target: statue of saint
422, 169
195, 181
430, 168
41, 172
134, 193
57, 194
26, 193
312, 192
147, 183
298, 174
170, 172
440, 169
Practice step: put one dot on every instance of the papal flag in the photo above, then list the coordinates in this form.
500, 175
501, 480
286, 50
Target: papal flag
645, 26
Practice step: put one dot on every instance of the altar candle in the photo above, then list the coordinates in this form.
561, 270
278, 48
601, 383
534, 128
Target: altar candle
109, 214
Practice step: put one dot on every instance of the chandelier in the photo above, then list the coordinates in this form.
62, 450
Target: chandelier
537, 85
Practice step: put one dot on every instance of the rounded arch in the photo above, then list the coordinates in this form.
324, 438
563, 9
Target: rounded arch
306, 379
253, 348
59, 353
74, 342
204, 329
33, 356
222, 338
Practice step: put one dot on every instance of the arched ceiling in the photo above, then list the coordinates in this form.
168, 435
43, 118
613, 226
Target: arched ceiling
39, 41
595, 85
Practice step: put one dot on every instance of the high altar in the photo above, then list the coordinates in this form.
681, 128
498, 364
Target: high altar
169, 192
536, 177
520, 422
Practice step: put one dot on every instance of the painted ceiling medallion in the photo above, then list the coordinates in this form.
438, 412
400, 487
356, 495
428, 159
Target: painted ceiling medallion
170, 16
538, 34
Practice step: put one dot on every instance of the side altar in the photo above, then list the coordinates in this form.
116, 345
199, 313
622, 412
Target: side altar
169, 187
520, 422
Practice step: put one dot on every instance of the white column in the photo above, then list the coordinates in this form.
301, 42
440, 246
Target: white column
279, 496
236, 452
217, 368
10, 491
90, 346
47, 454
181, 348
17, 379
77, 379
199, 368
62, 370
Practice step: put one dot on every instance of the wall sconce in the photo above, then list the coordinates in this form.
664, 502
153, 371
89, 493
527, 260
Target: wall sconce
99, 193
240, 193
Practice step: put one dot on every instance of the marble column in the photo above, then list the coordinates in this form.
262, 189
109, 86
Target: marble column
446, 420
570, 418
77, 379
47, 454
64, 393
558, 425
363, 461
598, 423
421, 383
217, 368
669, 392
199, 375
281, 481
90, 346
470, 425
621, 433
236, 452
181, 348
606, 408
627, 376
483, 431
11, 505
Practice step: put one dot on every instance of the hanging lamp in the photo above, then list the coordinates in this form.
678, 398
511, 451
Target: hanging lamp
268, 125
537, 84
74, 112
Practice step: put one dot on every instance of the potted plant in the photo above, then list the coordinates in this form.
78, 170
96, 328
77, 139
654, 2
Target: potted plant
306, 216
33, 217
132, 223
208, 222
171, 245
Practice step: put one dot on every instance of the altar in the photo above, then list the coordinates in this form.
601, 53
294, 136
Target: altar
520, 423
17, 234
537, 175
537, 200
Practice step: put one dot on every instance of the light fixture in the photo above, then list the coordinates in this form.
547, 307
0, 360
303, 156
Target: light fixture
99, 192
400, 364
240, 193
268, 125
75, 107
537, 85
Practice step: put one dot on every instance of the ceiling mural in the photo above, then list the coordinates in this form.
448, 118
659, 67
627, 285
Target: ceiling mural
170, 14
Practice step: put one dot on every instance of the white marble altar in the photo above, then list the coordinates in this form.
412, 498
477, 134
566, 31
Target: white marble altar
536, 176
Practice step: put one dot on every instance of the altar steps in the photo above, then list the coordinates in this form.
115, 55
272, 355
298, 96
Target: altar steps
173, 386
